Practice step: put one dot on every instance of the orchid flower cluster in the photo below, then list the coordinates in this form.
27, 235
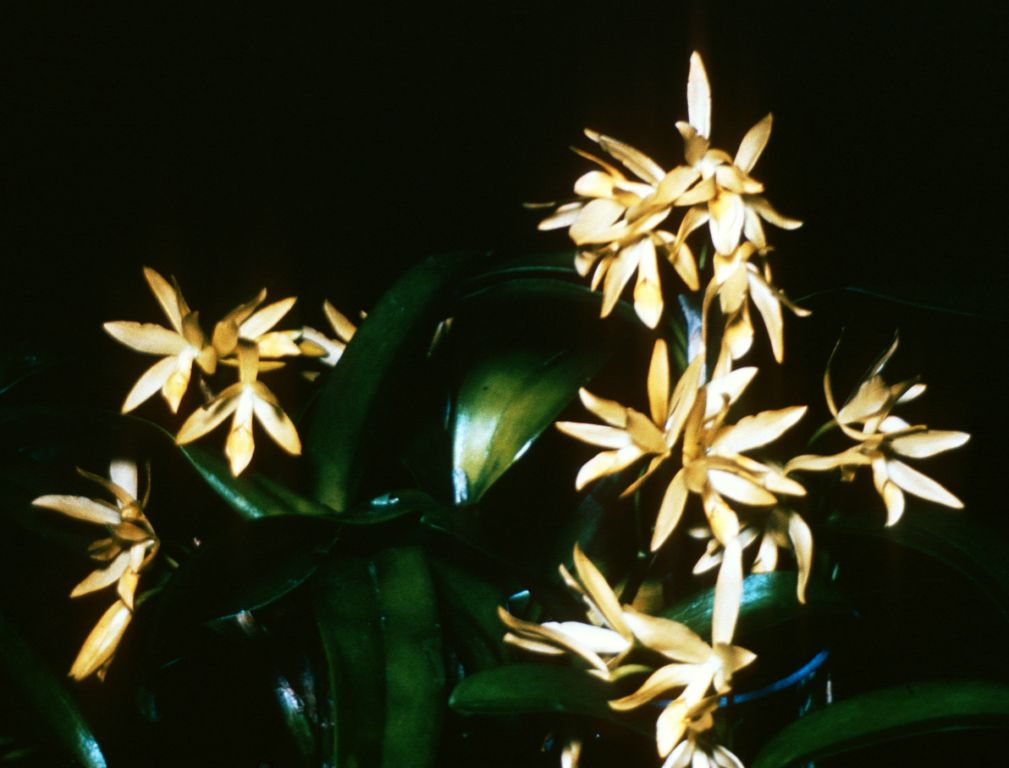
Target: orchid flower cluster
244, 339
617, 224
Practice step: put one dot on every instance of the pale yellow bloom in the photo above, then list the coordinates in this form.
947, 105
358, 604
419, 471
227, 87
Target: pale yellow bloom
126, 552
245, 399
697, 750
179, 346
883, 440
247, 322
326, 350
727, 198
615, 225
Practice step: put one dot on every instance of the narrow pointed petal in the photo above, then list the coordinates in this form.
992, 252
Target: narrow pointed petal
594, 184
103, 577
726, 223
702, 192
767, 556
728, 593
151, 381
684, 396
913, 481
564, 216
662, 680
599, 640
672, 639
766, 300
204, 419
610, 411
814, 463
264, 319
595, 434
166, 296
648, 436
670, 511
123, 472
752, 145
278, 344
239, 447
658, 382
727, 389
636, 161
177, 383
753, 230
893, 498
928, 443
672, 186
767, 212
80, 508
670, 726
756, 430
102, 642
699, 96
599, 591
648, 302
606, 463
341, 326
739, 488
146, 337
802, 546
619, 274
595, 217
278, 425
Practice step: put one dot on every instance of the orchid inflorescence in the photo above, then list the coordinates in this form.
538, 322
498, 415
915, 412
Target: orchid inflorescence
617, 223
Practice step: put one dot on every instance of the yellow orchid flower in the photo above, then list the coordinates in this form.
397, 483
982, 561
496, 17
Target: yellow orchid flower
628, 434
615, 225
883, 440
245, 399
247, 322
128, 550
326, 350
727, 198
697, 749
179, 346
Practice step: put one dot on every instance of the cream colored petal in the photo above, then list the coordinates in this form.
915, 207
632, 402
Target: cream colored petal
727, 389
684, 396
658, 382
279, 344
599, 640
80, 508
151, 381
636, 161
767, 555
662, 680
699, 96
619, 274
914, 391
648, 302
127, 587
594, 184
695, 218
767, 212
204, 419
670, 726
102, 642
545, 635
564, 216
752, 145
103, 577
342, 327
778, 483
702, 192
726, 223
765, 298
535, 646
728, 593
146, 337
672, 639
278, 425
870, 397
893, 498
914, 482
802, 546
928, 443
606, 463
595, 434
599, 591
739, 488
737, 336
888, 425
723, 758
123, 472
672, 186
595, 217
166, 296
177, 383
670, 511
610, 411
648, 436
734, 290
682, 259
760, 429
753, 230
681, 757
315, 344
263, 320
814, 463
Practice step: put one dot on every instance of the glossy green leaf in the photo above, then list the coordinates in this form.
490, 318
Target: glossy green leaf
347, 611
527, 688
402, 323
958, 540
469, 610
414, 668
768, 600
249, 566
387, 507
533, 343
47, 696
886, 715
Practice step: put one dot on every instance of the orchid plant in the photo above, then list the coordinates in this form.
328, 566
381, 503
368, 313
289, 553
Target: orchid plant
389, 588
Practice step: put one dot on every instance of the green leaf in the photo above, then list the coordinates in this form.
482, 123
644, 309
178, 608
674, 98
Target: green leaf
47, 697
414, 669
470, 614
401, 323
250, 494
886, 715
529, 345
389, 506
961, 541
253, 564
347, 612
768, 600
515, 689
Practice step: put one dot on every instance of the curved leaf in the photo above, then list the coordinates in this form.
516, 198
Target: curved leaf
470, 614
48, 697
387, 507
401, 322
768, 600
515, 689
414, 669
962, 542
886, 715
531, 344
347, 612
